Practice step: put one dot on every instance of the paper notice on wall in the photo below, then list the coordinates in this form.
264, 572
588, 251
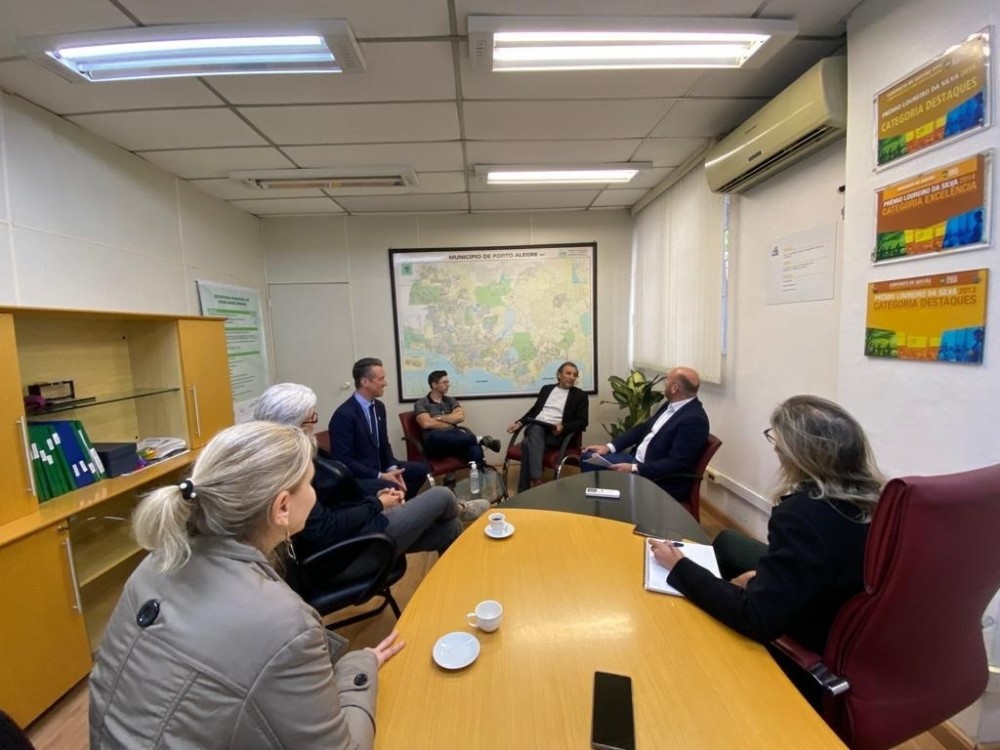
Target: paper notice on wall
240, 306
801, 267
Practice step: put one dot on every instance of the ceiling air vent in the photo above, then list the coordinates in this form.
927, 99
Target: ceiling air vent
328, 179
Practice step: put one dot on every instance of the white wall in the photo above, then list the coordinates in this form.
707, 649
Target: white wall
774, 351
84, 224
333, 249
923, 417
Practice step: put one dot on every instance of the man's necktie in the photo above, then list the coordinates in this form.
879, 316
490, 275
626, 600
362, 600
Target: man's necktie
373, 423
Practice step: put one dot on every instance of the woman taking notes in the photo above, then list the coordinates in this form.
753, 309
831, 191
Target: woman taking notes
208, 648
812, 563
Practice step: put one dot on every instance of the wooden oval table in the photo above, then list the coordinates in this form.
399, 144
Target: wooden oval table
571, 589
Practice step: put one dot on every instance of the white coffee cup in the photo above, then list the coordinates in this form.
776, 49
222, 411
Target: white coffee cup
487, 617
497, 523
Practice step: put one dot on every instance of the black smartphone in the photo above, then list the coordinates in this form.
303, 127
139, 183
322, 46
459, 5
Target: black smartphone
613, 727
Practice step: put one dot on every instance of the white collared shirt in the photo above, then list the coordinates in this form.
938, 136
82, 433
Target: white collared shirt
640, 453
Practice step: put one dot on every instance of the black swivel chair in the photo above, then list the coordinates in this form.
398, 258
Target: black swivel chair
326, 582
350, 572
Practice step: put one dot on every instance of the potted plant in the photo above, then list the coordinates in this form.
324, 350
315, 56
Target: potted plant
636, 396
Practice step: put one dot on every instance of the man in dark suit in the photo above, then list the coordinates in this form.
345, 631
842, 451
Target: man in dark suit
669, 442
359, 438
560, 408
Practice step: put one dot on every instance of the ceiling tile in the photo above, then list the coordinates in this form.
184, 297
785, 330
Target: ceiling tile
627, 118
19, 18
170, 128
232, 190
550, 152
647, 178
668, 152
356, 123
826, 18
400, 203
619, 198
43, 87
368, 19
528, 201
407, 71
706, 117
788, 64
593, 84
195, 163
279, 206
420, 156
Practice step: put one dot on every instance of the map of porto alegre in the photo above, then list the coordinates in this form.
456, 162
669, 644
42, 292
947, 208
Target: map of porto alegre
500, 321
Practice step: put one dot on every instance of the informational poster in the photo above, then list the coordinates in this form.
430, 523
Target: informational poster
941, 211
943, 100
240, 306
498, 320
801, 267
936, 318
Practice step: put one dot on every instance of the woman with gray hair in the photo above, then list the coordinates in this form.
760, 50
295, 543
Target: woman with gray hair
208, 647
431, 521
812, 562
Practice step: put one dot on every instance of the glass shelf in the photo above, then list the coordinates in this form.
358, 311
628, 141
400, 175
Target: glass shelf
86, 403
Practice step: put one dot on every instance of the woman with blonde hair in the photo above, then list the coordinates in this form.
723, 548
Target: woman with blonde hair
208, 647
812, 562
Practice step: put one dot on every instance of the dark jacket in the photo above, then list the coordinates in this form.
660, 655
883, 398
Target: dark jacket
342, 511
575, 414
675, 449
352, 443
813, 565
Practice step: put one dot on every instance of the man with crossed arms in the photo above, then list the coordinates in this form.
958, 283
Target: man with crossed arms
669, 443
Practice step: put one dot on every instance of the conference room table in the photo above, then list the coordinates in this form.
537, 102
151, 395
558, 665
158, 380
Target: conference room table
571, 586
641, 503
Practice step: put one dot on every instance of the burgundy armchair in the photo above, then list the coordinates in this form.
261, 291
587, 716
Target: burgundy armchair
908, 653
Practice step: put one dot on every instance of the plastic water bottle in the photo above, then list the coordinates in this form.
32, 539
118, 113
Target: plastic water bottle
473, 479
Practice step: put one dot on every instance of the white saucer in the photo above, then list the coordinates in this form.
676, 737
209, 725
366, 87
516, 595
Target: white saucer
456, 650
508, 529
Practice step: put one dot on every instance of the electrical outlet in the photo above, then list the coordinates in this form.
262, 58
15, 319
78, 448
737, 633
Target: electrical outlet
711, 476
993, 684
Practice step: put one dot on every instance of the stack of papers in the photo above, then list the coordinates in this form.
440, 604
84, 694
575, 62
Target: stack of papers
655, 578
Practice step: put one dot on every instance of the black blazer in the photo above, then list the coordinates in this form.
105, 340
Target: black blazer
814, 563
576, 413
675, 449
352, 443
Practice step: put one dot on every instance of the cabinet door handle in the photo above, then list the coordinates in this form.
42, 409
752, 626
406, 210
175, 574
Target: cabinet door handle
68, 546
23, 421
197, 413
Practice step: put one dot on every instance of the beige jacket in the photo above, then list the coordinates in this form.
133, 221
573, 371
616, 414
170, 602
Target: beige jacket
222, 654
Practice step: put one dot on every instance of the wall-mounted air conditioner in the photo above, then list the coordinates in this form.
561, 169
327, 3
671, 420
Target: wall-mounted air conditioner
803, 118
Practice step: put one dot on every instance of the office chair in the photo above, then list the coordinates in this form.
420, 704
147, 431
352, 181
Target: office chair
412, 436
553, 458
908, 652
12, 737
348, 574
693, 500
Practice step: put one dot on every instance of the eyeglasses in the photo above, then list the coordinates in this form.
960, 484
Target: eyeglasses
312, 420
769, 435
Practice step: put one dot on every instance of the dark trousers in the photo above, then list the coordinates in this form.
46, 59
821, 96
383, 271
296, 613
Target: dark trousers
737, 553
457, 443
414, 475
536, 441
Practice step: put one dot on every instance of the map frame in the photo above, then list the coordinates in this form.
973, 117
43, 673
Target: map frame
519, 258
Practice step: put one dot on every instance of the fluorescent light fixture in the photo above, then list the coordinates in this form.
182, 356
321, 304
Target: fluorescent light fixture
536, 43
333, 178
200, 50
565, 174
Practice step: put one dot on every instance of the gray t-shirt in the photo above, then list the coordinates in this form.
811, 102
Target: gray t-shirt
447, 406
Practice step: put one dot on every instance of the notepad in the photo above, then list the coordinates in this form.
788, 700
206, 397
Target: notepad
597, 460
655, 578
